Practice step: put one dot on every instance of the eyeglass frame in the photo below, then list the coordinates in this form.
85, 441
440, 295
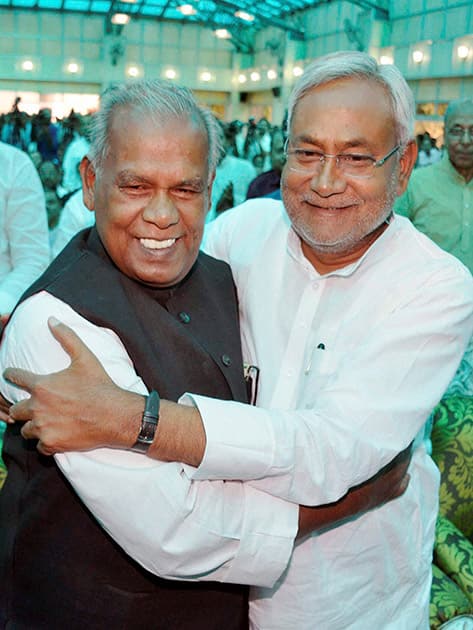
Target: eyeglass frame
459, 132
323, 156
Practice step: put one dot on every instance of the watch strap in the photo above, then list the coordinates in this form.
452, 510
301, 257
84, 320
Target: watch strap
149, 423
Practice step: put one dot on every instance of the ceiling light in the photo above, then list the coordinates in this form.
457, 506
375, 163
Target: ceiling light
241, 78
133, 71
223, 33
187, 9
297, 71
386, 60
120, 18
72, 67
27, 65
417, 56
170, 73
255, 76
272, 74
243, 15
463, 51
205, 76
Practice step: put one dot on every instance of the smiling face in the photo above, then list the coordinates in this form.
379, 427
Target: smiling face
150, 195
338, 216
459, 139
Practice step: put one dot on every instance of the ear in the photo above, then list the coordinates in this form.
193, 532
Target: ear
209, 192
407, 163
88, 176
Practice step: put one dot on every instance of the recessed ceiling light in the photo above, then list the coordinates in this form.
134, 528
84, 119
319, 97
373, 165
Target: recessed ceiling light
187, 9
243, 15
120, 18
463, 51
27, 65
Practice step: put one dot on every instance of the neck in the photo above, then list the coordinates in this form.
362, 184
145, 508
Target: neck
325, 260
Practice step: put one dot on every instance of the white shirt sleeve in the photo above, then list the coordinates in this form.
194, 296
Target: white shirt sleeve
176, 528
25, 229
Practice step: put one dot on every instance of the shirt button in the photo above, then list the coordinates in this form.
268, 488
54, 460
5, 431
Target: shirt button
226, 360
184, 317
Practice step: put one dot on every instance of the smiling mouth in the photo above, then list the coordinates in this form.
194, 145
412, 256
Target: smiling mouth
151, 243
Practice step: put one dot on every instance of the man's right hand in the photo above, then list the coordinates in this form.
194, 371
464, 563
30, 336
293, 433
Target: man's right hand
78, 408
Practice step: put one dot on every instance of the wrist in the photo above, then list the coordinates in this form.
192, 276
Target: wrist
149, 423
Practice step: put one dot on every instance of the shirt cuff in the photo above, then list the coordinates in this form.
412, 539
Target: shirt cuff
267, 541
240, 440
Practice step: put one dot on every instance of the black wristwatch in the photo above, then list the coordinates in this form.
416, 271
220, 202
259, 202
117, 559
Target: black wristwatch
149, 424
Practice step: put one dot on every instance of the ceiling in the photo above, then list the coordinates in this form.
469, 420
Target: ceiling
214, 14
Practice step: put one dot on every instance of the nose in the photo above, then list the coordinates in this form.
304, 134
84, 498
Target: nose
161, 210
467, 136
328, 180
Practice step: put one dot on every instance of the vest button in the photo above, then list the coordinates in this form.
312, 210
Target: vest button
184, 317
226, 360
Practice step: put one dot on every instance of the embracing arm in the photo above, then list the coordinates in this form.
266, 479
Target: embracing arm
64, 408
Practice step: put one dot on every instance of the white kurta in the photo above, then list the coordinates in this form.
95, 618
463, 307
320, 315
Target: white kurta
351, 365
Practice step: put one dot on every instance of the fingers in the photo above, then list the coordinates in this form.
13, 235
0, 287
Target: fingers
30, 432
21, 411
68, 339
22, 378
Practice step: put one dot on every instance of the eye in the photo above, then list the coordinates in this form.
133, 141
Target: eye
356, 160
133, 189
306, 155
185, 192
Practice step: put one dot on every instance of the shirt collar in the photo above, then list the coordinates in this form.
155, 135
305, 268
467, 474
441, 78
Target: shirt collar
295, 251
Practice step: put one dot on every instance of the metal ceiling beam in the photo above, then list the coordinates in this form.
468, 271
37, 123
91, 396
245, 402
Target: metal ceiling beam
383, 12
271, 21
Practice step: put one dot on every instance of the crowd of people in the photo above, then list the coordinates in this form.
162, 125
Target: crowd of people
56, 149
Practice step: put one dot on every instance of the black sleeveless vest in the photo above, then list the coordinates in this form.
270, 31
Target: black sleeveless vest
58, 569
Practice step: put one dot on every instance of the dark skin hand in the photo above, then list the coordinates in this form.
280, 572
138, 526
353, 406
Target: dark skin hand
81, 408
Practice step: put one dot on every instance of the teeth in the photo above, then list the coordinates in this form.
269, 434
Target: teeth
151, 243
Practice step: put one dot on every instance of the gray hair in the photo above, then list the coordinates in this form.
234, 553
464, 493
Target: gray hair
348, 64
160, 99
465, 103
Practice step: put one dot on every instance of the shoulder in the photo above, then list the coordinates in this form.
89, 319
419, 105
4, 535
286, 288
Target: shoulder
249, 220
418, 255
15, 158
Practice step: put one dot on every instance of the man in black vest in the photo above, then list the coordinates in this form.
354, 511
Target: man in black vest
137, 277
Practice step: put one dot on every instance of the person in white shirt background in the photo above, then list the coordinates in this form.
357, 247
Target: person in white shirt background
24, 240
357, 323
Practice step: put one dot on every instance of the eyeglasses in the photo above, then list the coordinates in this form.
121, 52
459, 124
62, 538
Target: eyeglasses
459, 132
350, 164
